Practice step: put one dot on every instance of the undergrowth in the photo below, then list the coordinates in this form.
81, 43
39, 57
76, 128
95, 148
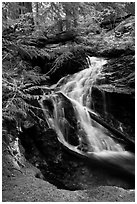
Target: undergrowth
20, 89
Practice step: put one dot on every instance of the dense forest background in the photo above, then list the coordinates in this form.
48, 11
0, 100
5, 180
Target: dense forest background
56, 17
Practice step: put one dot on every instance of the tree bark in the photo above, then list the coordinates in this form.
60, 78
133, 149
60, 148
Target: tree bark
37, 13
75, 13
60, 25
28, 6
67, 11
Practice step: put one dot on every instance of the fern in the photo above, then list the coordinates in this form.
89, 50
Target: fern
20, 86
30, 52
17, 105
59, 61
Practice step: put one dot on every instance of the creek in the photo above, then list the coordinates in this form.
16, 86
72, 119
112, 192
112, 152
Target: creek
92, 139
68, 111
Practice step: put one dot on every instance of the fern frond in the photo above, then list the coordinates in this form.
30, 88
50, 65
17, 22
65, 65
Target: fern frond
63, 58
24, 53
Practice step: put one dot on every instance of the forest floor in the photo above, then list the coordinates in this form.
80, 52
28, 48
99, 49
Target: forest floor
23, 186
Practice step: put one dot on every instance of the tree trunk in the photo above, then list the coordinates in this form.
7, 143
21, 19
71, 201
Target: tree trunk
36, 5
37, 13
75, 13
75, 17
28, 7
60, 25
25, 7
4, 17
21, 8
67, 11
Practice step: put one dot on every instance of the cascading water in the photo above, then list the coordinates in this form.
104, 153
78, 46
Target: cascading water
71, 120
79, 85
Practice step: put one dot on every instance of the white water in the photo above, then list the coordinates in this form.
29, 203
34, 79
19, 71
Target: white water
77, 89
79, 86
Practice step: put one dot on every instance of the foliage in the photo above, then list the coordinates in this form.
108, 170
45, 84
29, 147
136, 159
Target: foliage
53, 17
21, 87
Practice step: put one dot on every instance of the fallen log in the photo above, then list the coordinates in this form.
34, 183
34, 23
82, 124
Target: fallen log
62, 37
111, 23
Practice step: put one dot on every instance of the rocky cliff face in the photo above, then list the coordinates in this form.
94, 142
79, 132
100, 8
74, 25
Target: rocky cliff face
114, 95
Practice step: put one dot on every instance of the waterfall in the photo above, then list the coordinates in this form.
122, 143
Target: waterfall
71, 120
79, 85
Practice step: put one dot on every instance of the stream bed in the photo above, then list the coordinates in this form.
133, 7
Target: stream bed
76, 151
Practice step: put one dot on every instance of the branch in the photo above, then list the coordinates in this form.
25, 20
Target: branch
10, 101
5, 56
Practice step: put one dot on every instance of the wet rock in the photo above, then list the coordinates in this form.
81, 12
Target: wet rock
113, 95
39, 175
48, 144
